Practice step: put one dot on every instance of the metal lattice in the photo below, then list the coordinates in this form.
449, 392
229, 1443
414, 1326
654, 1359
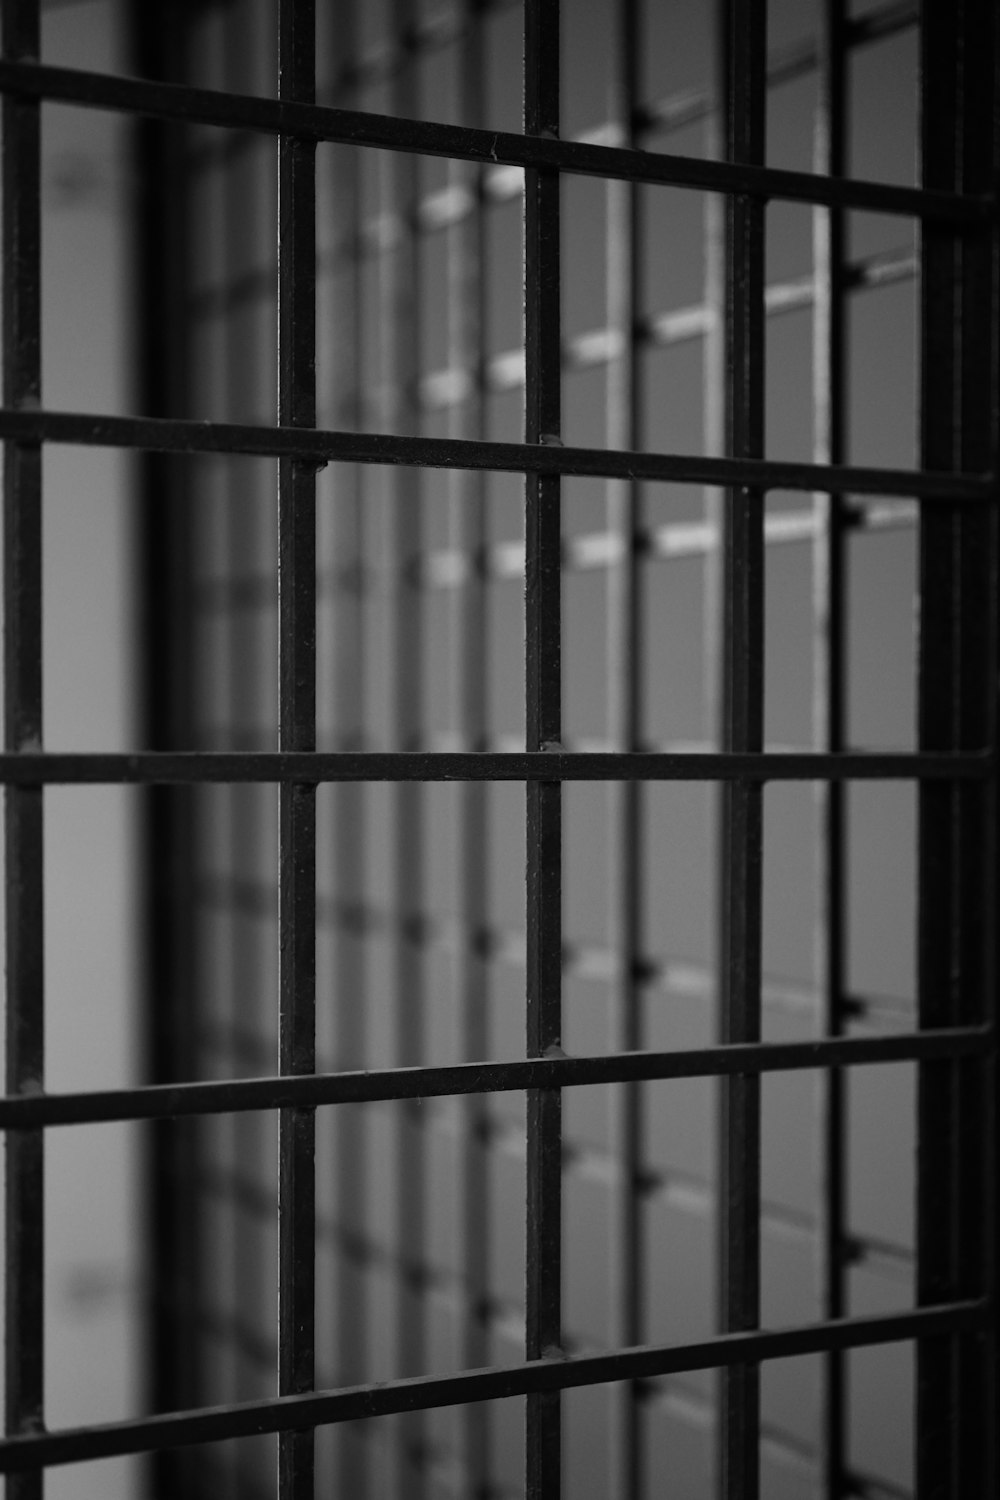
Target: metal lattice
357, 656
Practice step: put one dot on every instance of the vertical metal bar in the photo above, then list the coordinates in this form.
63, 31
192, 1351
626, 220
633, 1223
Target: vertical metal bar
543, 417
246, 544
467, 352
349, 565
172, 1209
744, 49
829, 710
401, 372
234, 1137
956, 1192
296, 731
625, 1476
24, 1186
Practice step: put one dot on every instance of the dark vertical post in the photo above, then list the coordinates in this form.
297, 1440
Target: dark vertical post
400, 372
625, 729
467, 353
296, 731
744, 50
24, 1186
829, 708
956, 1188
543, 415
160, 288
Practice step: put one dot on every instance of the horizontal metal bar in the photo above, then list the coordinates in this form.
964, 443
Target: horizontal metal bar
186, 767
163, 435
310, 1091
673, 1393
316, 1409
317, 122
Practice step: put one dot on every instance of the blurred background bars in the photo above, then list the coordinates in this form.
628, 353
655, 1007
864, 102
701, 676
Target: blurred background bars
570, 242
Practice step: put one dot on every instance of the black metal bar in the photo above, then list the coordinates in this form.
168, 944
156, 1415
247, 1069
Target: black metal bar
37, 768
744, 52
538, 1376
321, 447
543, 687
297, 732
310, 1091
829, 715
24, 1182
534, 150
161, 271
956, 1190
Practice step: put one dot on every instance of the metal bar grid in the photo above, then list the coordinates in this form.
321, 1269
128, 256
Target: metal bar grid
743, 768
